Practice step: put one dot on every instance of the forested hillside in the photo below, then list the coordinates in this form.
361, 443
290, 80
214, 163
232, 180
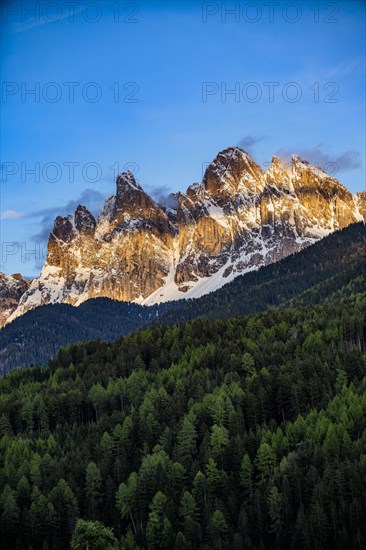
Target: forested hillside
36, 336
278, 283
345, 284
39, 334
247, 433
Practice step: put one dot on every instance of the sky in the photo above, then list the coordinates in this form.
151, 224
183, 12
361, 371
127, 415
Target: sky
90, 89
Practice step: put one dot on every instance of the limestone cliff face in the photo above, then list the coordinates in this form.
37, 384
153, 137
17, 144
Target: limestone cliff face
214, 217
123, 255
360, 201
12, 287
239, 218
242, 217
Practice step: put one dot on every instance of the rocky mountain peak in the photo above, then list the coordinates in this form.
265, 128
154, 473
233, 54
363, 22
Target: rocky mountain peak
232, 171
300, 167
63, 228
135, 210
84, 220
238, 219
276, 160
279, 174
131, 200
126, 183
66, 228
12, 288
309, 179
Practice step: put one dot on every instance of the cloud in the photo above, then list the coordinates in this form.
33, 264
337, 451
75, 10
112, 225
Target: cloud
158, 191
171, 200
90, 198
348, 160
347, 67
11, 215
248, 142
163, 195
44, 233
48, 19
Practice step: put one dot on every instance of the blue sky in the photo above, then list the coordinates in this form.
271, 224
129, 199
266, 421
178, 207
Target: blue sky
173, 65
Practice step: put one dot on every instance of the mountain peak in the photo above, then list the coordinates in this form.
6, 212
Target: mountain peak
63, 228
298, 160
12, 287
279, 173
130, 197
127, 189
300, 167
126, 182
239, 218
231, 171
84, 220
230, 154
277, 161
233, 150
134, 210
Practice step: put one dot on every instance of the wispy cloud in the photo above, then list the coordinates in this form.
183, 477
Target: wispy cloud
162, 194
248, 142
51, 19
347, 67
90, 198
11, 215
347, 160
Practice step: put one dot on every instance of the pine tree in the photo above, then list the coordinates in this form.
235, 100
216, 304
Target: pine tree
218, 530
274, 502
159, 532
93, 489
10, 517
219, 440
186, 441
246, 473
92, 535
265, 462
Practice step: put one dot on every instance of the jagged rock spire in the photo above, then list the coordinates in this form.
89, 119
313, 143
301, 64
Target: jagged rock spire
231, 170
238, 219
84, 220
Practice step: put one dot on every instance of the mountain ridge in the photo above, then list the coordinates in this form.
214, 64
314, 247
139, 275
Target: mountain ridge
239, 218
334, 262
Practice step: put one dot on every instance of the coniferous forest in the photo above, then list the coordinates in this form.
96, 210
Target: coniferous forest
183, 275
310, 276
247, 433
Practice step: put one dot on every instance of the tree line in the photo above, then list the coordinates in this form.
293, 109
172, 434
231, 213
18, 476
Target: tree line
246, 433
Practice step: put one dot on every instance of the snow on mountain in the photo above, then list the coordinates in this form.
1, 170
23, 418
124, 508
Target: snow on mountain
239, 218
12, 287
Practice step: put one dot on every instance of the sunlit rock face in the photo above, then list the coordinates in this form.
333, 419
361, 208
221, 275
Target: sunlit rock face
242, 217
12, 287
123, 255
237, 219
